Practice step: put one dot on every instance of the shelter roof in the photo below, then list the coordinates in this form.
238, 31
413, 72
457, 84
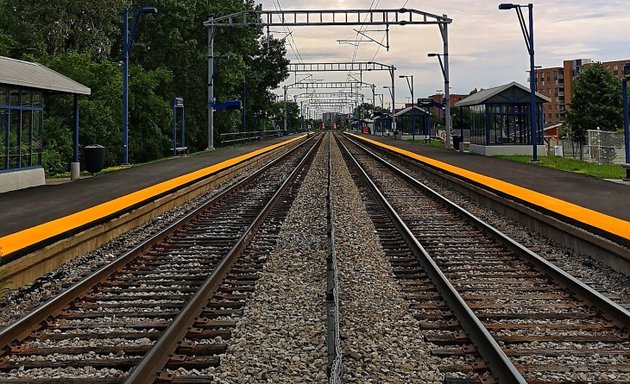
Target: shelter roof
495, 93
34, 75
408, 109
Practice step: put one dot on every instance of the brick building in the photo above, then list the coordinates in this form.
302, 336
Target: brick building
557, 84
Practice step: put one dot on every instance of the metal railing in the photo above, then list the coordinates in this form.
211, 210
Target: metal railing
242, 136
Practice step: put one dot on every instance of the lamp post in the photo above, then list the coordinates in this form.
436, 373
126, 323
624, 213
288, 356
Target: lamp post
626, 118
391, 93
127, 42
413, 112
448, 121
380, 95
529, 42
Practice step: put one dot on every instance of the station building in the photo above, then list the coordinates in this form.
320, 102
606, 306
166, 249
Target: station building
500, 120
23, 86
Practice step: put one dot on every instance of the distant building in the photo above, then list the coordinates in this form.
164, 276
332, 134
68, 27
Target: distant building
557, 84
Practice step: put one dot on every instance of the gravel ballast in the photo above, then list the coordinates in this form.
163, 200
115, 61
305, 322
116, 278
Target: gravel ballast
381, 340
281, 338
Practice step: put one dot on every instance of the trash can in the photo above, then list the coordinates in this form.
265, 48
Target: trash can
456, 141
94, 158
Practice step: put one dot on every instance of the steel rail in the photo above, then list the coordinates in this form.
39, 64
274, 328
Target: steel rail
610, 309
157, 357
498, 362
24, 326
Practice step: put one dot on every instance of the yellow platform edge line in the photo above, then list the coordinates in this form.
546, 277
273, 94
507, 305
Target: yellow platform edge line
27, 237
584, 215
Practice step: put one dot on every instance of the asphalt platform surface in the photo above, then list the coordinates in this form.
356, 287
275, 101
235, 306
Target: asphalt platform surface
609, 197
29, 207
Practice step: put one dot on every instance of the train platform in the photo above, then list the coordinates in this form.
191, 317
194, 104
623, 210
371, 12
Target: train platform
581, 197
33, 214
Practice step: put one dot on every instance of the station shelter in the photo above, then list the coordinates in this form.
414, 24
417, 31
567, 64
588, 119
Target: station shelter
23, 86
500, 120
382, 124
413, 120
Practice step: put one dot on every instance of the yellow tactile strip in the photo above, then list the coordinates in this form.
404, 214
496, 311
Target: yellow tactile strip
587, 216
27, 237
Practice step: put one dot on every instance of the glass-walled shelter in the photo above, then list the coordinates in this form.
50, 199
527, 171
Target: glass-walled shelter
413, 121
22, 88
500, 120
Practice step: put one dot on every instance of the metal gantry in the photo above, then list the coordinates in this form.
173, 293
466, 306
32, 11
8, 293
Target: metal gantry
328, 17
357, 66
329, 84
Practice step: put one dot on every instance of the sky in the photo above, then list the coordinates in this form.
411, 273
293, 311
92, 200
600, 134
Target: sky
486, 45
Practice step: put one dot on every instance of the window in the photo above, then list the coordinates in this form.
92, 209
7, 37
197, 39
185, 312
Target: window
4, 96
14, 139
4, 131
21, 128
26, 139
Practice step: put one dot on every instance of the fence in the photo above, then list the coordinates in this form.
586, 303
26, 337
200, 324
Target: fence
602, 147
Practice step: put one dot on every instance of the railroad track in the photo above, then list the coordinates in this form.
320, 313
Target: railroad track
163, 311
484, 295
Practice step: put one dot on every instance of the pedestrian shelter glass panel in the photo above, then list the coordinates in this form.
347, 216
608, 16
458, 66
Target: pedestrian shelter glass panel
21, 128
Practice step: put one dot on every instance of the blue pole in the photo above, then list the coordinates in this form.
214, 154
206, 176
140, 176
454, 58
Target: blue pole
532, 85
75, 137
125, 48
626, 120
175, 127
183, 127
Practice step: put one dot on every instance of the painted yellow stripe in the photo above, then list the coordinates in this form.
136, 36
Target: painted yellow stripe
587, 216
22, 239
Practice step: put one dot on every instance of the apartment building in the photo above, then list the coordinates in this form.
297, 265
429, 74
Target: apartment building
557, 84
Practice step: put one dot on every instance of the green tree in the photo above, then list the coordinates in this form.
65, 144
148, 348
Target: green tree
51, 27
596, 102
82, 40
101, 112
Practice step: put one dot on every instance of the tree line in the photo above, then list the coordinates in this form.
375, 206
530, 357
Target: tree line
82, 40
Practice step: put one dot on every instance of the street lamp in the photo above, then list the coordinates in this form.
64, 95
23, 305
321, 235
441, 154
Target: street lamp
391, 94
380, 95
413, 112
127, 42
626, 117
446, 99
529, 42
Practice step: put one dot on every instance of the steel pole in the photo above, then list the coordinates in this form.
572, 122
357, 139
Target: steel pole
447, 104
183, 126
174, 127
285, 109
75, 136
393, 101
532, 86
210, 88
626, 122
125, 48
413, 113
373, 97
